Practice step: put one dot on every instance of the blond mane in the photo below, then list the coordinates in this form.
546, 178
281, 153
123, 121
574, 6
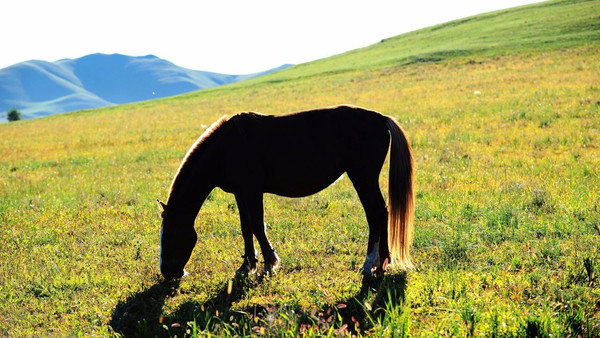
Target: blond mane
194, 148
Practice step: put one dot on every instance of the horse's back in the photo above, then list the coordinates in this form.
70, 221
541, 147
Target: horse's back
302, 153
326, 127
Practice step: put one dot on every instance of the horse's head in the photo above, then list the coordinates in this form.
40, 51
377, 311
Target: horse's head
177, 240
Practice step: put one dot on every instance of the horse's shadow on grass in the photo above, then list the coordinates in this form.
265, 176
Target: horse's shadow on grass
141, 315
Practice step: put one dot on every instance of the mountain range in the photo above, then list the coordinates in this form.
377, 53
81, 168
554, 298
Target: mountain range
40, 88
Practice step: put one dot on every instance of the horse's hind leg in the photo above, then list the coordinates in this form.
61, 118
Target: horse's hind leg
377, 215
252, 220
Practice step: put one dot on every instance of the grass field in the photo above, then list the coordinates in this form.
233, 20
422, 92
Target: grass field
506, 140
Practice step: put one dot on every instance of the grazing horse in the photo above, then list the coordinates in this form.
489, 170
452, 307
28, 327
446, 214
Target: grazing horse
293, 155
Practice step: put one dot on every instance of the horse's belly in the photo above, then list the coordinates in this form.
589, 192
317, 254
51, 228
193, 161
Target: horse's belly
300, 185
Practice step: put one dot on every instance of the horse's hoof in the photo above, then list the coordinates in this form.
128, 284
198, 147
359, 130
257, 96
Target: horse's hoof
271, 264
270, 270
247, 268
245, 271
378, 272
366, 272
367, 269
373, 272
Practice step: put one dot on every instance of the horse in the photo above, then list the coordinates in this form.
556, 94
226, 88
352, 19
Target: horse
293, 155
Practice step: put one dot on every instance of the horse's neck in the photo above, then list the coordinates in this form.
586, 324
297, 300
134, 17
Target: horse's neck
189, 200
194, 182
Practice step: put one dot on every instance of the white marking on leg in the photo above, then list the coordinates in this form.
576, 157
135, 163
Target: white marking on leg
372, 259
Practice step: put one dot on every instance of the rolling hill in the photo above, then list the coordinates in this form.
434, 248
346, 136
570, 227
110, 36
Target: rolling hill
543, 26
40, 88
503, 114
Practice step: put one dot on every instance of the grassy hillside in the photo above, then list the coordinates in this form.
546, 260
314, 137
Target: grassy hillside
548, 25
506, 140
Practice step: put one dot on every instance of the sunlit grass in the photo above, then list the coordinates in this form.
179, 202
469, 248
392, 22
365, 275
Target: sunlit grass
507, 217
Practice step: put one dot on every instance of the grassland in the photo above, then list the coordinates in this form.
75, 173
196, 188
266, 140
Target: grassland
507, 241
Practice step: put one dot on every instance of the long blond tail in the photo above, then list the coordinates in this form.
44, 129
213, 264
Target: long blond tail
400, 197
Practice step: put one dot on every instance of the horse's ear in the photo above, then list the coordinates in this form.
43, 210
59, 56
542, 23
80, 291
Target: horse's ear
162, 206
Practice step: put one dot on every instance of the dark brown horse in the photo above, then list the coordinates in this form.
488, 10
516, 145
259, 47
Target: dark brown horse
293, 155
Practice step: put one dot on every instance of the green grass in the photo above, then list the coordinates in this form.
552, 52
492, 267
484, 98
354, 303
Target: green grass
548, 25
507, 214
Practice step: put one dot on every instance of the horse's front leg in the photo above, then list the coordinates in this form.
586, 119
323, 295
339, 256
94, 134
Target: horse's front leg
252, 218
271, 259
250, 263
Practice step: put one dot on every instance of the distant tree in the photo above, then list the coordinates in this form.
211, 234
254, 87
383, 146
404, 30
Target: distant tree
13, 115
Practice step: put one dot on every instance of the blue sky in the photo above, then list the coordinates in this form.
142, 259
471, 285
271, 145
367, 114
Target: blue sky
225, 36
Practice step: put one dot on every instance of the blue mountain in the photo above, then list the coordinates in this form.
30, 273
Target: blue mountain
40, 88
